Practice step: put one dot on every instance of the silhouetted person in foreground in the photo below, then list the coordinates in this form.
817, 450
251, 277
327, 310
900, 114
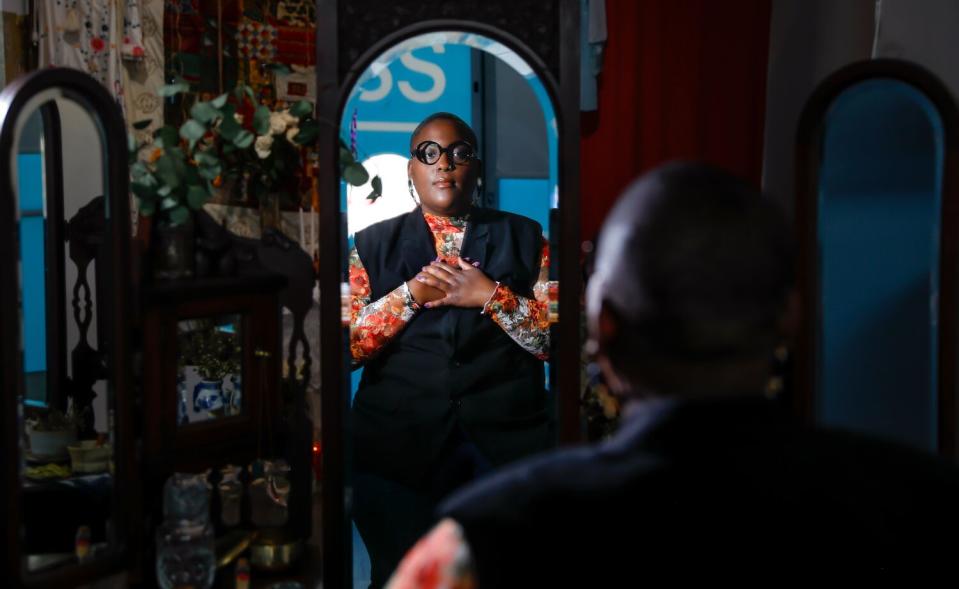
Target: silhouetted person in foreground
708, 477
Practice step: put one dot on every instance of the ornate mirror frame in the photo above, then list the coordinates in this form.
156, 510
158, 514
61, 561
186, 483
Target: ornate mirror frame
809, 150
16, 98
350, 35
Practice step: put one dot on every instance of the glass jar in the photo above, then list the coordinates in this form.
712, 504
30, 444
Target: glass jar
185, 554
269, 493
231, 496
172, 249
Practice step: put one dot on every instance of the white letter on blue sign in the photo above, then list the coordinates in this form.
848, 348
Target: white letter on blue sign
386, 84
423, 67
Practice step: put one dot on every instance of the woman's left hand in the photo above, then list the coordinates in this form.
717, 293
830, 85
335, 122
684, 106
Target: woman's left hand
464, 284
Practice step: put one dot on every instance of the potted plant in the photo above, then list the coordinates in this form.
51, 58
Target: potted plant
228, 141
50, 433
214, 354
177, 171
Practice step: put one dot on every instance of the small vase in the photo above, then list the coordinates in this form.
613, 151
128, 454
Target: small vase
231, 496
185, 550
173, 250
208, 395
270, 215
233, 396
182, 416
269, 491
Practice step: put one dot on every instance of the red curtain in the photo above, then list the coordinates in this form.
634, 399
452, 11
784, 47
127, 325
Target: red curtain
681, 79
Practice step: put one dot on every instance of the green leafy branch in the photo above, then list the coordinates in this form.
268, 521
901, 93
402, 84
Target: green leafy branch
180, 169
355, 174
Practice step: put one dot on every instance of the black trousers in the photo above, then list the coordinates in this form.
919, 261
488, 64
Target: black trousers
391, 516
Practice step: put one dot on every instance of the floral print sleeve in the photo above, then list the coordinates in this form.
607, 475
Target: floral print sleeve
441, 560
373, 324
525, 320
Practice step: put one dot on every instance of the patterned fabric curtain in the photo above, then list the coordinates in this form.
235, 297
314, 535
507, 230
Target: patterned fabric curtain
144, 76
93, 36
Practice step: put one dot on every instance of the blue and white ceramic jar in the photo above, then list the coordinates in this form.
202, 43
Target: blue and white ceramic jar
208, 395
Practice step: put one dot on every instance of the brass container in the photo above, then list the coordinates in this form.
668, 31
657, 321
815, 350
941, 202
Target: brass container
272, 552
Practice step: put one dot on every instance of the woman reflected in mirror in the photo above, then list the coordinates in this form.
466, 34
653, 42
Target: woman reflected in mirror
450, 324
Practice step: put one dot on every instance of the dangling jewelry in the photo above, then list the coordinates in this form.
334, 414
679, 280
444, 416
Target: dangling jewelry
776, 382
478, 193
409, 182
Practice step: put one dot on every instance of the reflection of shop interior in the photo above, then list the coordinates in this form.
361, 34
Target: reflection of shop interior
491, 88
209, 376
132, 379
214, 45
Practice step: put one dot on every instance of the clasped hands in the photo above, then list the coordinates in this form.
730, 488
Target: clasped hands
443, 285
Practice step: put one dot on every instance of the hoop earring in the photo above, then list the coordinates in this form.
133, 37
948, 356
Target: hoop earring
478, 192
409, 182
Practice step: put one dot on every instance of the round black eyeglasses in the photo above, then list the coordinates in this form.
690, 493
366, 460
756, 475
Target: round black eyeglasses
458, 153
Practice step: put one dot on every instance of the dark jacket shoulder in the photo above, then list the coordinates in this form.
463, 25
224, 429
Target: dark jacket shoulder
705, 484
497, 216
384, 227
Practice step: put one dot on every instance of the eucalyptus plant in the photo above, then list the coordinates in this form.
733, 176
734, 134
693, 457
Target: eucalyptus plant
179, 170
354, 174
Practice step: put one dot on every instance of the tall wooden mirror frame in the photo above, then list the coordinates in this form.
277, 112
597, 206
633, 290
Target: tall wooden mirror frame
15, 101
350, 35
809, 147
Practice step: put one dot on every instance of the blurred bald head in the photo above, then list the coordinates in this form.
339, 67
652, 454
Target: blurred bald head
693, 268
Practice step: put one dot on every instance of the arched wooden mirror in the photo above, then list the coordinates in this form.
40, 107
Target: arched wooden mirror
511, 75
69, 488
877, 195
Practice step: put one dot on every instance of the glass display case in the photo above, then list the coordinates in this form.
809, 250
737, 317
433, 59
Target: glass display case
211, 371
216, 406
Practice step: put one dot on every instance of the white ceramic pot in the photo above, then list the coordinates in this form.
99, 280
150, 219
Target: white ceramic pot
53, 444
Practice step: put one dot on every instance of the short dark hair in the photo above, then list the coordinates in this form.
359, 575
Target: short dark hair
460, 124
698, 264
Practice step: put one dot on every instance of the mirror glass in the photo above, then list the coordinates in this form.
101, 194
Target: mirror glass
209, 369
30, 172
880, 186
67, 455
441, 396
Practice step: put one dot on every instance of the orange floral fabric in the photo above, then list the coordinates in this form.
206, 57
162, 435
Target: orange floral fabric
440, 560
448, 235
374, 323
525, 320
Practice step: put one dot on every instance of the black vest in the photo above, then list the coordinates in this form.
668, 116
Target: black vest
449, 366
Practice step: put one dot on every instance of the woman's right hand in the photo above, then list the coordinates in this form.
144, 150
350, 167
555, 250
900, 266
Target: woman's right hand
423, 293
